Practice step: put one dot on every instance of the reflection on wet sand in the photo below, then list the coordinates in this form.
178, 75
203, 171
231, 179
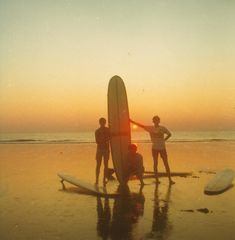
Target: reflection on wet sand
126, 210
104, 216
161, 226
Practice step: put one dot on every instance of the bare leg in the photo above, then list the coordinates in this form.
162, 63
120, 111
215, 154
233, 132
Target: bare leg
155, 167
139, 173
106, 161
165, 161
98, 164
140, 176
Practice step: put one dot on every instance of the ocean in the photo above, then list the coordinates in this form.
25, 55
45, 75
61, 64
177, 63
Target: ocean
137, 137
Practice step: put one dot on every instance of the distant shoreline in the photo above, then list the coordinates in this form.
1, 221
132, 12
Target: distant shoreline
137, 137
28, 141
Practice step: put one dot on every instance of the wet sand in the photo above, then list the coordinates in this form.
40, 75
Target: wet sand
34, 205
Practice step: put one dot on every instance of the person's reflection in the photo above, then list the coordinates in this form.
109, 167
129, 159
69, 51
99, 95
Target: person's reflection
126, 211
161, 225
104, 216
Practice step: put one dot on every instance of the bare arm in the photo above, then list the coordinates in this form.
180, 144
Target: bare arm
138, 124
96, 137
168, 135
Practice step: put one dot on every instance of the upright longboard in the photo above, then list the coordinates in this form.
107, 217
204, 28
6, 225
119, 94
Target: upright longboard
119, 125
92, 189
220, 182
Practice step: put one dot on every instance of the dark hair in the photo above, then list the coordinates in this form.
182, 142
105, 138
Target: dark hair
156, 117
132, 147
102, 119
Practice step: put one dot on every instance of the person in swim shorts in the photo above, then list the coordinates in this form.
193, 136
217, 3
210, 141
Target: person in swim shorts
159, 135
102, 137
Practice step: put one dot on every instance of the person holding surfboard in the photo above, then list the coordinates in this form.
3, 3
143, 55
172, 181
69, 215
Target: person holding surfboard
102, 137
158, 138
135, 163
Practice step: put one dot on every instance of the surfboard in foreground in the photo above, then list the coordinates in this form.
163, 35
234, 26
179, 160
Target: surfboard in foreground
220, 182
119, 126
92, 189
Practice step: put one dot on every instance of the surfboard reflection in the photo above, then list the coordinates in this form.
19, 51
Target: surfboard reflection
161, 226
104, 217
127, 209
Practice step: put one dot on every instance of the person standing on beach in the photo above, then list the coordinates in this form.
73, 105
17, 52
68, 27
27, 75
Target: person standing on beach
157, 134
102, 137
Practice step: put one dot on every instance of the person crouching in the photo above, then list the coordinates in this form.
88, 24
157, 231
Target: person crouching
135, 163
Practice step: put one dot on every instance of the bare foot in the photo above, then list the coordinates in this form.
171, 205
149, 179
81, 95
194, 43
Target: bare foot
157, 181
105, 182
171, 182
142, 183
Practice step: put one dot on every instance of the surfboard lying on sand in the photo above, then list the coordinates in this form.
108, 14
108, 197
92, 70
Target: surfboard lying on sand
92, 189
119, 126
220, 182
164, 174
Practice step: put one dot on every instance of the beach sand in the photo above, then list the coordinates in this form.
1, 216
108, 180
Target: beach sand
33, 204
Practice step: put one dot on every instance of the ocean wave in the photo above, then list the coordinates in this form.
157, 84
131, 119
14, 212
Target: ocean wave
82, 141
20, 140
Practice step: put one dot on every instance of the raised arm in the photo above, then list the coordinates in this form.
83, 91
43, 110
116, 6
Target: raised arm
139, 124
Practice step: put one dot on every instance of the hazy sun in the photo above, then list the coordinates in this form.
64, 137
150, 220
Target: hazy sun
134, 126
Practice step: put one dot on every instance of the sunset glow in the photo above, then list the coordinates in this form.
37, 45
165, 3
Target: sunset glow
176, 59
134, 126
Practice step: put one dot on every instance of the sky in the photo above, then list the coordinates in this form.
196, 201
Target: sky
177, 59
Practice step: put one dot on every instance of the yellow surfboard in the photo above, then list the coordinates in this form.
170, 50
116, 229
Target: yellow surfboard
119, 125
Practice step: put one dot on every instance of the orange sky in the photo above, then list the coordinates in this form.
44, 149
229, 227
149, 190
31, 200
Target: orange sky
176, 59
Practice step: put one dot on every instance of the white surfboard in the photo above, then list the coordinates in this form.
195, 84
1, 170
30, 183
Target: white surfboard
92, 189
220, 182
119, 125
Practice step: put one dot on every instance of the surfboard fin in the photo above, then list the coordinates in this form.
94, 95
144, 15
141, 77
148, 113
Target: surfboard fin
62, 182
